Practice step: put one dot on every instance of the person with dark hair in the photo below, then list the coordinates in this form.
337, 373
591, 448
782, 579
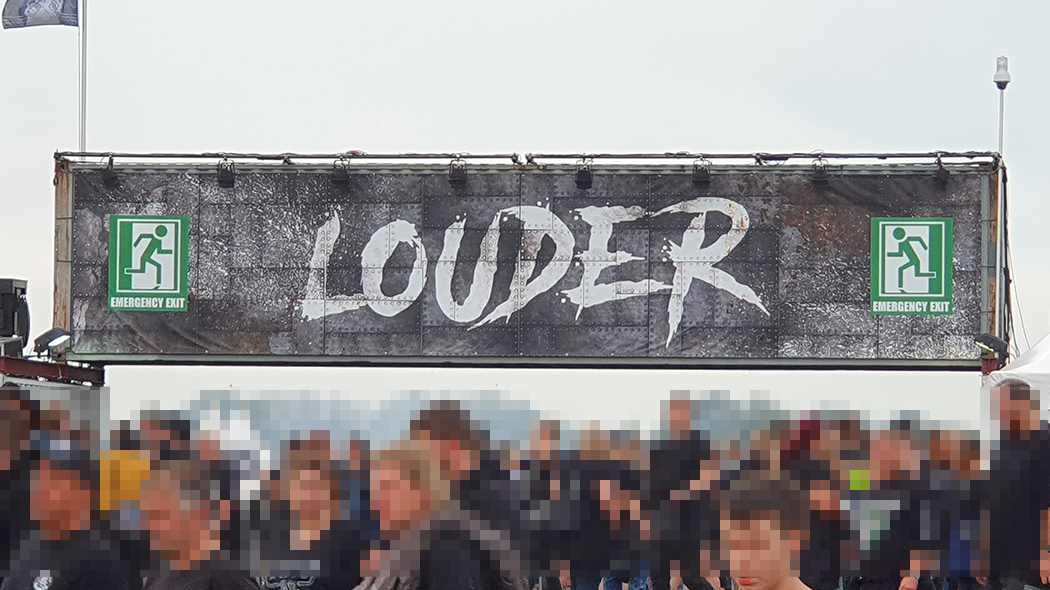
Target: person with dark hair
19, 417
888, 518
313, 523
820, 565
683, 476
480, 485
1018, 494
71, 548
166, 434
955, 507
547, 526
764, 530
187, 509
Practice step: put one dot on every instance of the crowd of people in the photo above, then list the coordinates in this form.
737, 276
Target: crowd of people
819, 502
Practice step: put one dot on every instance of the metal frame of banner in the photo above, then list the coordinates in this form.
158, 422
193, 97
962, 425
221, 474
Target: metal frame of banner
532, 159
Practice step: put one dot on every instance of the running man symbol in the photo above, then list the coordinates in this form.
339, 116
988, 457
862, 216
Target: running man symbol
154, 242
906, 248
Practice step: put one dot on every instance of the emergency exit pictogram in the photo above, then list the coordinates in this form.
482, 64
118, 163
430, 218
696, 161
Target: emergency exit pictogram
148, 263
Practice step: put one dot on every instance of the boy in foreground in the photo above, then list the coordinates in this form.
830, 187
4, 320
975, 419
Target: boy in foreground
763, 526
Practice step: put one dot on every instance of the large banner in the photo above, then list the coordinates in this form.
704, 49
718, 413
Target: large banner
758, 266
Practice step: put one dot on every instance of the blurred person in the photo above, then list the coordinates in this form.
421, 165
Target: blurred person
166, 434
588, 542
19, 417
480, 482
70, 547
429, 541
310, 523
887, 518
820, 563
546, 526
763, 523
954, 468
1018, 491
621, 495
683, 476
186, 511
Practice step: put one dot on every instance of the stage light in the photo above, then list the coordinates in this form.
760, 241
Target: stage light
992, 343
341, 172
942, 174
55, 342
14, 310
11, 346
701, 172
109, 175
457, 173
820, 172
584, 175
226, 174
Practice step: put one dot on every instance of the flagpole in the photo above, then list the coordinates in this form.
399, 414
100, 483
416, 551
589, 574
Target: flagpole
83, 74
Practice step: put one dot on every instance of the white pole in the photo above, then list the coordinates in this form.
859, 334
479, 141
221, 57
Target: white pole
1002, 101
83, 74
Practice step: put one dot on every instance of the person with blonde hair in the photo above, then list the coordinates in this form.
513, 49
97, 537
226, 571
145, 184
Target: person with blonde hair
428, 541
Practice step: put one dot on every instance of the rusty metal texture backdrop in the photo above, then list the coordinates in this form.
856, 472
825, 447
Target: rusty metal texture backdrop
760, 266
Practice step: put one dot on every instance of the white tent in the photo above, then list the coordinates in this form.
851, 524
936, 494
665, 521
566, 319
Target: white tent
1032, 367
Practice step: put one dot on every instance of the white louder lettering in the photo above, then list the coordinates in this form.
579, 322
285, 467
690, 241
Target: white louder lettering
484, 273
538, 223
693, 261
597, 258
380, 247
377, 252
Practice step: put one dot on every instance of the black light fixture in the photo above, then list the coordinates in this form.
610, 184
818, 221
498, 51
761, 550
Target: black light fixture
14, 310
226, 173
341, 172
584, 175
820, 172
942, 174
109, 175
457, 173
993, 343
55, 342
11, 347
701, 172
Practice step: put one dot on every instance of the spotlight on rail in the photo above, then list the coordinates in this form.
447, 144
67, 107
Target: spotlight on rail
341, 172
701, 172
109, 174
584, 175
55, 342
820, 172
942, 174
226, 174
457, 173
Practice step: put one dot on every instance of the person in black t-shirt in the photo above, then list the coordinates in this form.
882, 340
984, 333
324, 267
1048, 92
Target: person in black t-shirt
480, 483
891, 515
547, 526
820, 563
1018, 493
19, 416
312, 521
680, 502
70, 548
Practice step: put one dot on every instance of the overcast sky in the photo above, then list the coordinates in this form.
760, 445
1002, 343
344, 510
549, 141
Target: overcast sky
484, 76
